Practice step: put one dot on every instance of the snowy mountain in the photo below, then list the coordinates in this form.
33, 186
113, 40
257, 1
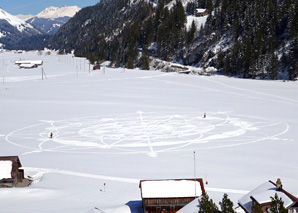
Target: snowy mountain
12, 29
52, 18
13, 21
58, 12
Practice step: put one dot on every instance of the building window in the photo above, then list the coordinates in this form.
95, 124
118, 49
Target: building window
291, 210
172, 207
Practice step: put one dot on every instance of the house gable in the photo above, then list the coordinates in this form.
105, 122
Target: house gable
262, 195
169, 195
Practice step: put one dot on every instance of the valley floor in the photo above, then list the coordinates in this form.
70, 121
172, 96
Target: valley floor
114, 127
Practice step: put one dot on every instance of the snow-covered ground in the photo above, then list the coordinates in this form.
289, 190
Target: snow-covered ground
114, 127
14, 21
199, 21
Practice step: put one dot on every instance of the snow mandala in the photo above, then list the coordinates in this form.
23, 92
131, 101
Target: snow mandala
147, 133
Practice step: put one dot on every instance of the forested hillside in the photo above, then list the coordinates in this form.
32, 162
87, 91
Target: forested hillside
251, 39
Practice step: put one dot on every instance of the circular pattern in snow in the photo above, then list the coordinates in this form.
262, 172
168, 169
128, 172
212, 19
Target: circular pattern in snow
148, 133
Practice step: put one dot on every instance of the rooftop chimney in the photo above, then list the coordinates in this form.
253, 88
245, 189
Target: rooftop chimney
278, 185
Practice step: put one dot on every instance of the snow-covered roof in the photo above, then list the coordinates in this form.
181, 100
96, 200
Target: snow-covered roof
37, 62
192, 207
170, 188
200, 10
27, 65
263, 194
265, 197
5, 169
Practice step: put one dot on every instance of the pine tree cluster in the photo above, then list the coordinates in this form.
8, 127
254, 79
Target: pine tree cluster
263, 37
124, 31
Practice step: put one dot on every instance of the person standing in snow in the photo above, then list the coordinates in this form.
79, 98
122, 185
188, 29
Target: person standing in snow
51, 135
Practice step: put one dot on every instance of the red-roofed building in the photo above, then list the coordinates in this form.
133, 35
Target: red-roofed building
169, 196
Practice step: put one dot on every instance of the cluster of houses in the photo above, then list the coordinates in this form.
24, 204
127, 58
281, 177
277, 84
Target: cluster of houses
169, 195
181, 196
29, 64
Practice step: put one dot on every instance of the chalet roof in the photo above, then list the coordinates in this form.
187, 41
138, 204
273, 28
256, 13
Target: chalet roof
171, 188
263, 193
37, 62
265, 197
8, 166
200, 10
193, 207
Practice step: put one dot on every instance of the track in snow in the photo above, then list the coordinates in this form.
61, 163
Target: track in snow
147, 133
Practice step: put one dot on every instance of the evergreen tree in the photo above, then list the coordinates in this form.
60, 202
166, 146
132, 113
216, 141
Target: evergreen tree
273, 69
293, 60
145, 59
209, 6
277, 205
256, 208
247, 57
292, 24
226, 205
191, 33
207, 205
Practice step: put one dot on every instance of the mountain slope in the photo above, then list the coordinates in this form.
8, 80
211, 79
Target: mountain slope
52, 18
20, 25
58, 12
257, 39
93, 28
13, 29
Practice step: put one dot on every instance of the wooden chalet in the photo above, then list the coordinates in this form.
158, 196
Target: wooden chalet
96, 67
198, 12
262, 195
11, 174
169, 196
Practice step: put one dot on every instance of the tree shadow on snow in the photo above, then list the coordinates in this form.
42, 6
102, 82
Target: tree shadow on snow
135, 206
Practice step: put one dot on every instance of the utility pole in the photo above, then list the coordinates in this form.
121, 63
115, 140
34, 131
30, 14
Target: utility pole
43, 73
194, 158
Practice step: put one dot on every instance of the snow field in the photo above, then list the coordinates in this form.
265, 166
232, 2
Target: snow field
119, 126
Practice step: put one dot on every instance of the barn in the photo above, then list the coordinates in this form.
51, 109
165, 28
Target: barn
169, 195
11, 174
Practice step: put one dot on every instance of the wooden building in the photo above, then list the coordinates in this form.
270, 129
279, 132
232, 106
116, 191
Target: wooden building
11, 174
262, 195
168, 196
200, 12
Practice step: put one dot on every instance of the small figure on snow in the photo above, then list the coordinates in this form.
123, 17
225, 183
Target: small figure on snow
204, 115
51, 135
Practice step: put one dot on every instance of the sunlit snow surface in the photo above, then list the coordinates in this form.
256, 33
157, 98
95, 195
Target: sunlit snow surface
147, 133
114, 127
